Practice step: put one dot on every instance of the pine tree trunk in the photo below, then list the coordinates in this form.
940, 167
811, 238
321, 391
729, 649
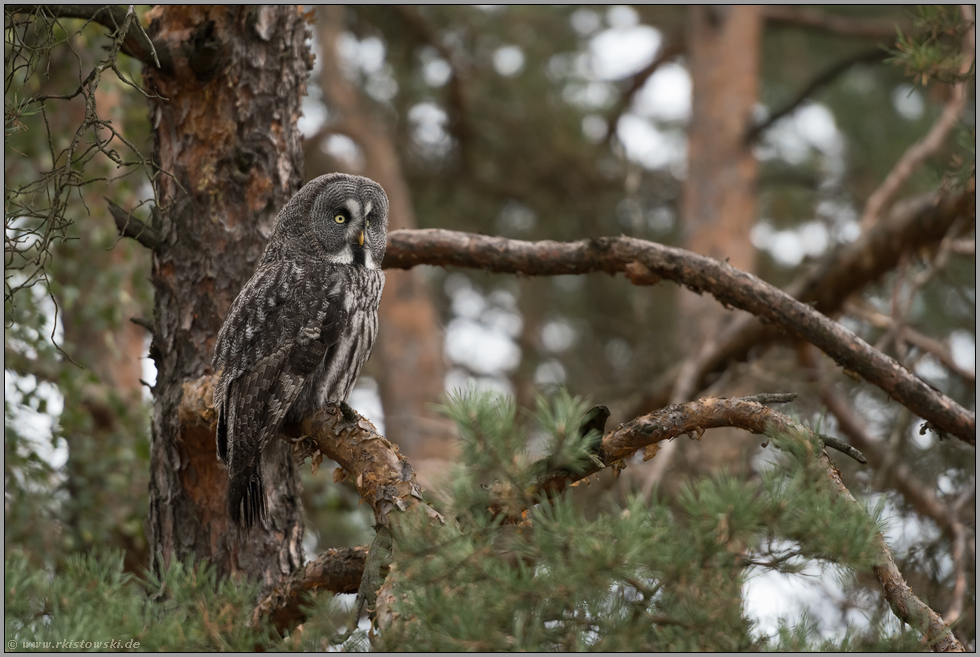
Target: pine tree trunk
719, 200
226, 140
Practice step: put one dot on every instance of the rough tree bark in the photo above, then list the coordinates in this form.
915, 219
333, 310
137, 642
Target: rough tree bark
225, 135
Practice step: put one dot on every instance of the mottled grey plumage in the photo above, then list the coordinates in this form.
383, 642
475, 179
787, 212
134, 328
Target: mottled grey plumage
301, 328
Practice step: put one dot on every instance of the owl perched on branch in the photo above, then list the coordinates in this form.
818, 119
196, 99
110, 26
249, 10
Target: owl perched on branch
301, 328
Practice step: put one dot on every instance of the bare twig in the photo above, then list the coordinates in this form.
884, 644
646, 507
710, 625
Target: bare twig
960, 552
822, 79
843, 447
771, 398
937, 348
130, 226
37, 211
729, 285
904, 603
694, 417
900, 475
135, 43
672, 48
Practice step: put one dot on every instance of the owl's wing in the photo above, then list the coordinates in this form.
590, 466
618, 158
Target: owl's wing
277, 332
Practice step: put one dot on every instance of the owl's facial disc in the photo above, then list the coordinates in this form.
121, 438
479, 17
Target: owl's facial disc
356, 234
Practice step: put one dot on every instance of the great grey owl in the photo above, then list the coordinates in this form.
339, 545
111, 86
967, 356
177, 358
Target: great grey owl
301, 328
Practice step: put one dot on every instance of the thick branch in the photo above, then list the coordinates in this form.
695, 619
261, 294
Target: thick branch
136, 43
386, 481
337, 570
911, 225
730, 286
815, 19
383, 477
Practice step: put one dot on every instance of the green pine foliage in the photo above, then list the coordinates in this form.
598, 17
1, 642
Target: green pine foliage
94, 605
642, 577
933, 52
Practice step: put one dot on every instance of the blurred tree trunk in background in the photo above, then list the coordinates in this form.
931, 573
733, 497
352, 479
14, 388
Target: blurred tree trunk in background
228, 140
719, 198
407, 358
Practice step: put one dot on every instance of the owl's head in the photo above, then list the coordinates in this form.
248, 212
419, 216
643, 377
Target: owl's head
337, 218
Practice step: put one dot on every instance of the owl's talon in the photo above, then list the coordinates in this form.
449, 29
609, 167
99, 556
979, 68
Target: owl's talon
350, 415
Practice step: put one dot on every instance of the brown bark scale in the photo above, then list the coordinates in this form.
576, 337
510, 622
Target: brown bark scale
225, 137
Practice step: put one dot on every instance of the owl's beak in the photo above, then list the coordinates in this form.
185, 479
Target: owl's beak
360, 238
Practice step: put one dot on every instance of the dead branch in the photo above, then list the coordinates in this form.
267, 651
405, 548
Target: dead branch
337, 570
135, 43
729, 285
695, 417
904, 603
961, 553
901, 476
845, 26
672, 48
384, 479
937, 348
130, 226
387, 482
822, 79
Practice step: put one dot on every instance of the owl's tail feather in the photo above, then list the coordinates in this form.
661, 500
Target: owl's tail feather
246, 499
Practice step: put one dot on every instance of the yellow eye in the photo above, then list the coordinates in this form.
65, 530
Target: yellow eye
368, 223
340, 218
